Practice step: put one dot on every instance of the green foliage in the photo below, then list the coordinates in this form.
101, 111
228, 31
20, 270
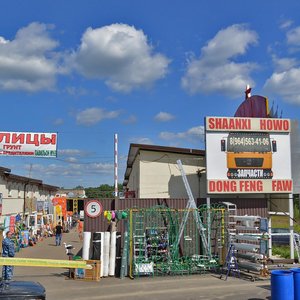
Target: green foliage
296, 212
103, 191
280, 221
282, 251
284, 222
79, 187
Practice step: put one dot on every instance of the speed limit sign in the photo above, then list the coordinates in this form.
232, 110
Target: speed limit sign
93, 208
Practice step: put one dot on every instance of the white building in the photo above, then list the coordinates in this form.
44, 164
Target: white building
152, 172
23, 195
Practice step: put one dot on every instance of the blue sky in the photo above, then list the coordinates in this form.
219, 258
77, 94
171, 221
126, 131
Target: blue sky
149, 71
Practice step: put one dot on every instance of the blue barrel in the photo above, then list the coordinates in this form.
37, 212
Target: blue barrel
282, 285
296, 272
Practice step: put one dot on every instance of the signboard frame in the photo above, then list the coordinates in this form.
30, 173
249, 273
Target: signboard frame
33, 144
237, 172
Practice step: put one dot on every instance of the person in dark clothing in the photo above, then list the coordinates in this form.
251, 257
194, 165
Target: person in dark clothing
8, 250
58, 234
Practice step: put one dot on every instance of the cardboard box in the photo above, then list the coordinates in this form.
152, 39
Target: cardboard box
94, 273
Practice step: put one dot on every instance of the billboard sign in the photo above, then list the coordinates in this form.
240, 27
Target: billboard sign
248, 155
28, 144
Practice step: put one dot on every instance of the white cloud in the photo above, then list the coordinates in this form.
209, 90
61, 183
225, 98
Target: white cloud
3, 41
72, 152
293, 37
194, 134
27, 62
285, 84
58, 122
286, 24
284, 64
285, 80
121, 55
215, 70
164, 117
94, 115
76, 91
141, 140
130, 120
71, 170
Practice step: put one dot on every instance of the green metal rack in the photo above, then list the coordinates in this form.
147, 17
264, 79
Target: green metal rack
155, 249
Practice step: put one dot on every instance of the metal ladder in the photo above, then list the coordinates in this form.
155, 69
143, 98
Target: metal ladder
296, 241
232, 212
231, 264
139, 242
191, 205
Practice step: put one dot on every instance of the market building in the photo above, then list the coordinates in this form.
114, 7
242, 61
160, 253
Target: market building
24, 195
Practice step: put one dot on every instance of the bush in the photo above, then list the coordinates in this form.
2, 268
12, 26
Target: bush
282, 251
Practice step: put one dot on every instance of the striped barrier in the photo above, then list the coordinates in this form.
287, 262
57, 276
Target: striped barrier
49, 263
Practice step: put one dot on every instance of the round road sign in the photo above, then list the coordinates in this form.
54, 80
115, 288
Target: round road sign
93, 208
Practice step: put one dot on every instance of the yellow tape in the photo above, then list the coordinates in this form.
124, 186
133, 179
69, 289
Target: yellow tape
38, 262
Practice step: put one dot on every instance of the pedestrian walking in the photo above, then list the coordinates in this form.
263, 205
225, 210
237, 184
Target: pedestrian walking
80, 229
8, 250
58, 234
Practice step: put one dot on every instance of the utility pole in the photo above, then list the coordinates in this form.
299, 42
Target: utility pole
116, 164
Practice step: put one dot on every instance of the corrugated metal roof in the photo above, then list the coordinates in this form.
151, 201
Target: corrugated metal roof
135, 148
9, 176
4, 170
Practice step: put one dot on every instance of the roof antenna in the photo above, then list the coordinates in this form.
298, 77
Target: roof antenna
247, 92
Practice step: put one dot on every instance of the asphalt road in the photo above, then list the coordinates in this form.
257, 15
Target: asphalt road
59, 287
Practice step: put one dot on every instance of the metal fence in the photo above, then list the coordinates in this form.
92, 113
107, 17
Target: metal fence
154, 232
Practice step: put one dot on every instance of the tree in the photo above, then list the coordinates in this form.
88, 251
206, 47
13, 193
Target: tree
79, 187
103, 191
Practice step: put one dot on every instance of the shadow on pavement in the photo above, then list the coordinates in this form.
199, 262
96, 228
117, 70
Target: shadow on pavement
266, 287
267, 298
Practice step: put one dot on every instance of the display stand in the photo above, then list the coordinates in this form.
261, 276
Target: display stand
251, 244
92, 274
157, 240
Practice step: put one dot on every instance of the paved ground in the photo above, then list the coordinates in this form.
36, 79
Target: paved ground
193, 287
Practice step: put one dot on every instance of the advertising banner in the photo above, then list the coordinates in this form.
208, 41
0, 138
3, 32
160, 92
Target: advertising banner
24, 238
248, 155
39, 206
12, 222
28, 144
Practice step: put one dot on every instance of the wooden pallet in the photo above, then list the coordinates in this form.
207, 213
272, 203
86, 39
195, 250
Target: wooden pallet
92, 274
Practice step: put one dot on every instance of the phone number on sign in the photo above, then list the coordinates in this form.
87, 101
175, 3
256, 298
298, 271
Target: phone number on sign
248, 141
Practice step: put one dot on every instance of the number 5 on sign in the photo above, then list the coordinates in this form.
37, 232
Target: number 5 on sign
93, 208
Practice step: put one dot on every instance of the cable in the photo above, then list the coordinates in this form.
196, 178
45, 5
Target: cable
285, 213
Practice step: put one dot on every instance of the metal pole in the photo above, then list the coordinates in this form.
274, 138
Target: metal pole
291, 213
208, 224
24, 201
116, 164
270, 236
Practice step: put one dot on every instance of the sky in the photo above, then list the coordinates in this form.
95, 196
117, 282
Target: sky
148, 71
